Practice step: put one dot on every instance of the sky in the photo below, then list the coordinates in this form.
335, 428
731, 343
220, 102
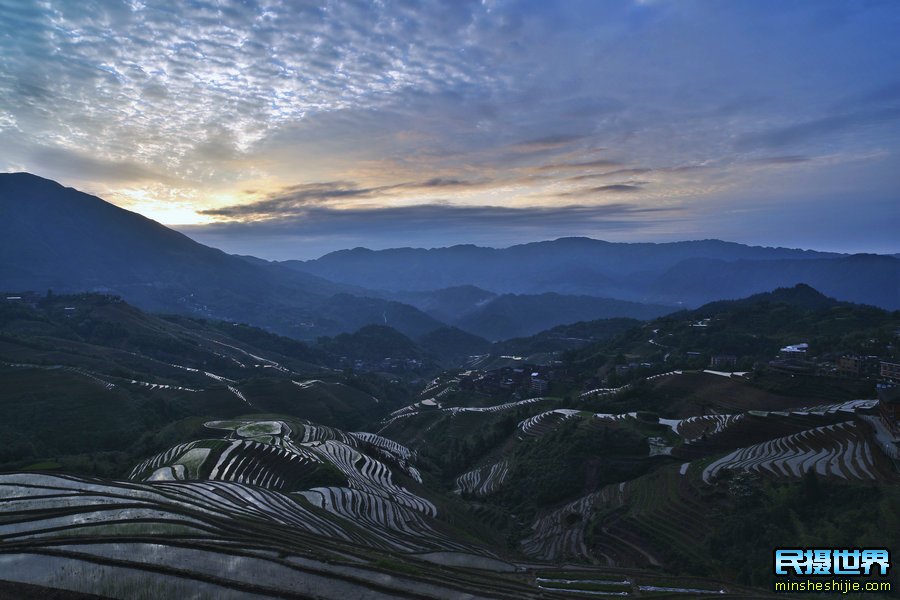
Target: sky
288, 129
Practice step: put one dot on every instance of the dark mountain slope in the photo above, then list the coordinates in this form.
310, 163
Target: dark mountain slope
372, 343
452, 346
566, 337
753, 329
512, 315
52, 237
89, 373
800, 296
448, 304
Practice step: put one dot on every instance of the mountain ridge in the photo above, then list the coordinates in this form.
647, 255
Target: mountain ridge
54, 237
688, 273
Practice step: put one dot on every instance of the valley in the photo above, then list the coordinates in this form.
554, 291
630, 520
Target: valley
186, 422
449, 300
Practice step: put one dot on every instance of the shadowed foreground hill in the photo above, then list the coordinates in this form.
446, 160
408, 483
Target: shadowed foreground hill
91, 375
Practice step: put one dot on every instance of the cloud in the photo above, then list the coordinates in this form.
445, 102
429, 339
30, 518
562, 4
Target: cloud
491, 101
793, 159
315, 230
439, 182
616, 187
74, 164
546, 143
590, 164
297, 198
615, 173
321, 219
292, 199
147, 82
814, 129
613, 188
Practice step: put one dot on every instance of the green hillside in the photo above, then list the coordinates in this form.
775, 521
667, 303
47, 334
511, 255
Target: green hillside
667, 479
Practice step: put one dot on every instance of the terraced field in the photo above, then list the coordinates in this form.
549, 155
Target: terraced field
215, 539
213, 495
629, 584
544, 422
560, 534
265, 454
366, 474
483, 481
707, 435
642, 522
382, 443
849, 407
695, 428
840, 450
218, 539
613, 417
262, 454
201, 501
657, 517
455, 410
389, 524
394, 453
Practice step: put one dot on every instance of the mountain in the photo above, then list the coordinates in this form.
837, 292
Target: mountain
90, 373
565, 337
512, 315
171, 456
800, 296
452, 346
499, 317
540, 266
447, 304
52, 237
688, 273
752, 330
372, 343
861, 278
349, 312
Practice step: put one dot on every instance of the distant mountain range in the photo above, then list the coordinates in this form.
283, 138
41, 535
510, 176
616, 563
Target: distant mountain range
677, 273
53, 237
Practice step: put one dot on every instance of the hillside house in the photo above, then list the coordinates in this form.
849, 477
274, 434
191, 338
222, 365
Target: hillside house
537, 385
794, 351
850, 365
28, 298
720, 361
889, 406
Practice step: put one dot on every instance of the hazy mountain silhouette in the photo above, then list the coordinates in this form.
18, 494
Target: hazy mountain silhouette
512, 315
689, 273
448, 304
862, 278
53, 237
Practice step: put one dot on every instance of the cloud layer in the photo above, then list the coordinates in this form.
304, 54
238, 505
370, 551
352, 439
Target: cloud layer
259, 113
